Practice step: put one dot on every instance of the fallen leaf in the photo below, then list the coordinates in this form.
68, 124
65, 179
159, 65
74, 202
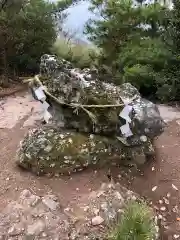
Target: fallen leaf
174, 187
166, 200
163, 208
97, 220
168, 195
154, 188
176, 236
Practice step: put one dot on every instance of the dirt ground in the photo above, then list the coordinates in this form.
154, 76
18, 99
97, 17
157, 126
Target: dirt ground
159, 181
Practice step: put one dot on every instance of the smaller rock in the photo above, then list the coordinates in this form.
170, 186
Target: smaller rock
15, 230
50, 203
96, 211
160, 216
176, 236
98, 220
168, 195
163, 208
143, 138
154, 188
86, 208
44, 234
36, 228
174, 187
166, 200
25, 193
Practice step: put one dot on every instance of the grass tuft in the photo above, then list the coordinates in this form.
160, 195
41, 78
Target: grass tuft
136, 223
82, 56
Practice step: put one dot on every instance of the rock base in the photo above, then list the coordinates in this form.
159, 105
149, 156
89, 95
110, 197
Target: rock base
47, 150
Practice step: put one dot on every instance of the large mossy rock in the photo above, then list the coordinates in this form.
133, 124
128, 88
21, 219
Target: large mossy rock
48, 150
81, 87
81, 137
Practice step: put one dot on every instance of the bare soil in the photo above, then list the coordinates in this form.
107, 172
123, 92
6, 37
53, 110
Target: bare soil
20, 112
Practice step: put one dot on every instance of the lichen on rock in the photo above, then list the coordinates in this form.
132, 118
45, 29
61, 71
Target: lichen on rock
88, 133
47, 150
72, 86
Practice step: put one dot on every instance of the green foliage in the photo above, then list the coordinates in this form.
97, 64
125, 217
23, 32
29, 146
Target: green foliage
80, 55
136, 223
139, 44
28, 30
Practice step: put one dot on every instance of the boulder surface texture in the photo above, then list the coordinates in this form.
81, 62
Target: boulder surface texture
87, 120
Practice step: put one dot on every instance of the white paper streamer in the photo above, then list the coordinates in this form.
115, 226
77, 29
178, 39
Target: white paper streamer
47, 116
125, 113
45, 105
40, 94
42, 97
125, 129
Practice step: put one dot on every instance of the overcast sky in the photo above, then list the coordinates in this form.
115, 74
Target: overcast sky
78, 15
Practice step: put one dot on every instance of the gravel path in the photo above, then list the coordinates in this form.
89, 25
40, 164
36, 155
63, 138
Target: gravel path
20, 112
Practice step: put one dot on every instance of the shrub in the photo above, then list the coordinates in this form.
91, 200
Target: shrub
36, 30
80, 55
135, 224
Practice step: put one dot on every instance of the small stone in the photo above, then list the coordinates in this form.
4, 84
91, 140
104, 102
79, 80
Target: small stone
36, 228
168, 195
160, 216
163, 208
98, 220
61, 136
118, 196
15, 230
52, 165
86, 208
175, 209
166, 200
67, 209
44, 234
133, 197
57, 175
25, 193
70, 140
96, 211
154, 188
48, 148
51, 204
174, 187
91, 136
143, 138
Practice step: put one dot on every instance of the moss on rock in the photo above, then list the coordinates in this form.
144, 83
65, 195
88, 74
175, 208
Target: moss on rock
47, 150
